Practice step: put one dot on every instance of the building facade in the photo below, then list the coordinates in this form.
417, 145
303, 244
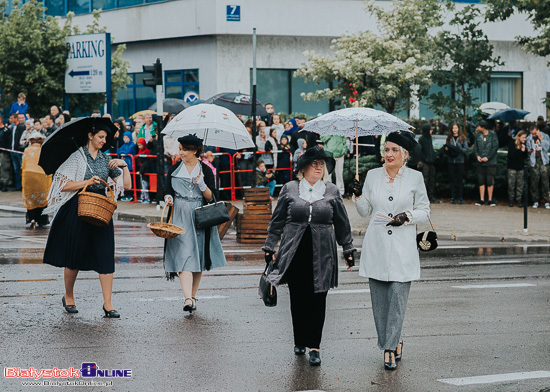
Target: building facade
205, 47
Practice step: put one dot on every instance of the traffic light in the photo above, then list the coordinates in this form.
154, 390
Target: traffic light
156, 71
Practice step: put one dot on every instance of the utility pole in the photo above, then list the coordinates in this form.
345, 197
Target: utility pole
254, 133
156, 83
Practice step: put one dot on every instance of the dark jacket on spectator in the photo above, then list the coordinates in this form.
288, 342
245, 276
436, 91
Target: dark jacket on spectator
425, 141
486, 148
516, 157
456, 150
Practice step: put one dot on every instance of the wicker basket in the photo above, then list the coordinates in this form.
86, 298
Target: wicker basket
94, 208
165, 230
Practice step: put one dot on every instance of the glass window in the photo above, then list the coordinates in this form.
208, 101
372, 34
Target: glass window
78, 6
425, 104
173, 92
55, 7
273, 86
507, 90
173, 77
312, 108
126, 3
125, 103
191, 76
145, 97
103, 4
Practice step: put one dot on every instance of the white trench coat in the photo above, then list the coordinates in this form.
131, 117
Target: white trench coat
390, 253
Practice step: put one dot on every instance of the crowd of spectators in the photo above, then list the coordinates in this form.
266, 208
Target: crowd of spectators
280, 143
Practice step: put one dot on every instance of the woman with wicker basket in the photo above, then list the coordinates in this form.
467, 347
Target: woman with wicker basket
190, 184
74, 243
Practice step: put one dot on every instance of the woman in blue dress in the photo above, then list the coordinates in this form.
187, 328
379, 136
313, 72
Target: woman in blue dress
190, 185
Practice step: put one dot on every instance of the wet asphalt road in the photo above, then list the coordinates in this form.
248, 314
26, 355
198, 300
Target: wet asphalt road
480, 309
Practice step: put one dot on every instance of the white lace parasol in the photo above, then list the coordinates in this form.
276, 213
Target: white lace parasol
352, 122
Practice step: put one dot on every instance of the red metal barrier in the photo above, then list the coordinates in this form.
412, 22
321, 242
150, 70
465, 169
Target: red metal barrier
254, 171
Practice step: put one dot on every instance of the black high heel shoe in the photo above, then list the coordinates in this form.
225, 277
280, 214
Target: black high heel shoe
399, 351
111, 313
194, 300
188, 307
390, 363
69, 308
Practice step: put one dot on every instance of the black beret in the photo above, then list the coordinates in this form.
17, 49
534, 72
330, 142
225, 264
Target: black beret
190, 140
403, 139
313, 154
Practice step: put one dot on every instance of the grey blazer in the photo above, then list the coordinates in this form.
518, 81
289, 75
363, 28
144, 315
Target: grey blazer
329, 225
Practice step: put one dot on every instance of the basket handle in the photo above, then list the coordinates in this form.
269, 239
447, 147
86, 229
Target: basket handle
171, 213
91, 180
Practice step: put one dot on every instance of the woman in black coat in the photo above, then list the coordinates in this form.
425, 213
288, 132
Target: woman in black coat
310, 219
517, 154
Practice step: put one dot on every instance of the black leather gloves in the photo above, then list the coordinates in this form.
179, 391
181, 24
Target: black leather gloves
399, 219
349, 259
268, 257
357, 188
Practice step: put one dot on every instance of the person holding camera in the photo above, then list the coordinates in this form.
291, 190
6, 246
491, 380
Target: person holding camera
538, 145
311, 218
396, 199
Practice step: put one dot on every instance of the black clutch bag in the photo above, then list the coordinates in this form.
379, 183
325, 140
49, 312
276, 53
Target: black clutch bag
427, 240
210, 215
267, 291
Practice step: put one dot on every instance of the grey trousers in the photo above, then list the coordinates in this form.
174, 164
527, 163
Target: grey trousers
389, 302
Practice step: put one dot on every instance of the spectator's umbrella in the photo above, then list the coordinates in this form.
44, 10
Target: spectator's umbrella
355, 122
68, 138
171, 105
217, 126
238, 103
492, 107
143, 113
508, 115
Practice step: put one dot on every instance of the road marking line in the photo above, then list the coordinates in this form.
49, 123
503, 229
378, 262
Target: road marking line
353, 291
242, 251
494, 286
533, 246
226, 271
492, 262
495, 378
180, 298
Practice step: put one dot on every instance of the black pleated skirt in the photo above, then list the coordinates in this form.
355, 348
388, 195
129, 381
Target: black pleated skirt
78, 245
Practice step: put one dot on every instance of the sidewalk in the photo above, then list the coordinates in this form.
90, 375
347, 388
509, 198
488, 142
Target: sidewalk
451, 222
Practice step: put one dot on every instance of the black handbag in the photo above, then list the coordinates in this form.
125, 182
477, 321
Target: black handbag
267, 291
427, 240
210, 215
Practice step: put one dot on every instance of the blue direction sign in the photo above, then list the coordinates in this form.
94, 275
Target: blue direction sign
72, 74
233, 13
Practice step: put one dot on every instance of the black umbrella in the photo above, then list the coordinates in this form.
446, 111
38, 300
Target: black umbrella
507, 115
69, 137
238, 103
171, 105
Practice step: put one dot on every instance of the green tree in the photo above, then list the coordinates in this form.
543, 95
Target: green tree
35, 59
537, 11
34, 56
86, 103
384, 70
464, 61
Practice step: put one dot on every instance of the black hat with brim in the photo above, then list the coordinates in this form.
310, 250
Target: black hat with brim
314, 154
403, 139
190, 140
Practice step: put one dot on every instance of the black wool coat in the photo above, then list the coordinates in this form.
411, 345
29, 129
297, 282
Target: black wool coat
329, 225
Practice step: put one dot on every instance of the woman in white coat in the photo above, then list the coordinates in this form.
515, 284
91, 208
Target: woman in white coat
390, 256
